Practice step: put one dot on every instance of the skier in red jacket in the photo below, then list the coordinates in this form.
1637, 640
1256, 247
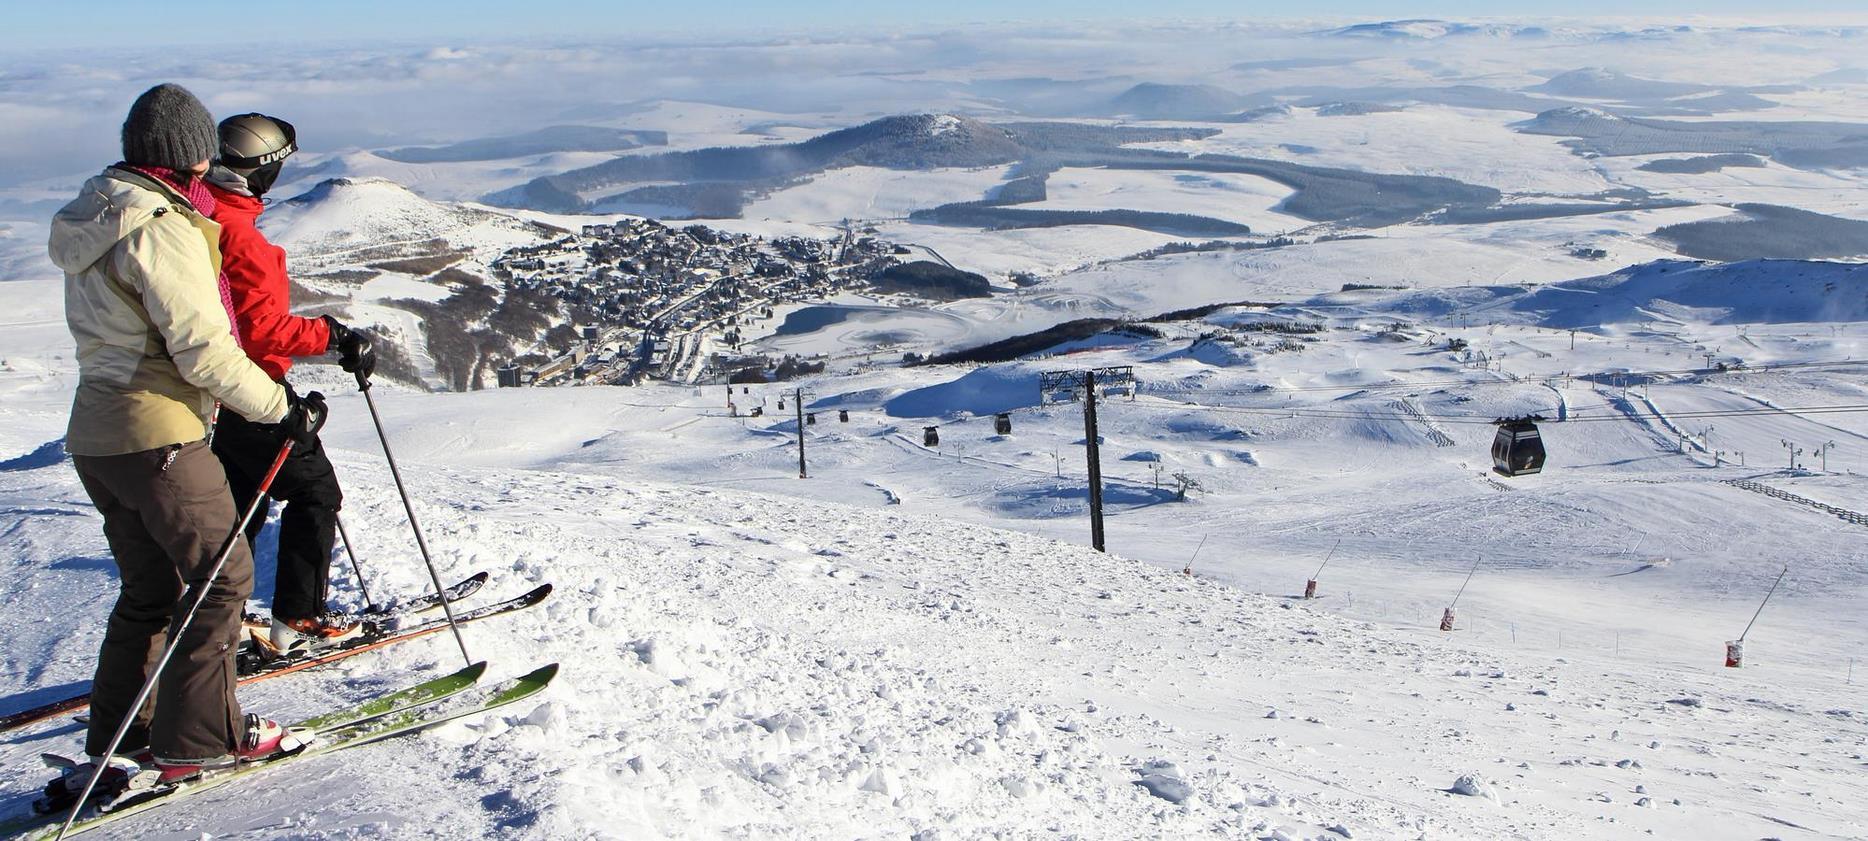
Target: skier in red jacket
253, 149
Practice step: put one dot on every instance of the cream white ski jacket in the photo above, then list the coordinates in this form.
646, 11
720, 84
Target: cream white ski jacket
142, 299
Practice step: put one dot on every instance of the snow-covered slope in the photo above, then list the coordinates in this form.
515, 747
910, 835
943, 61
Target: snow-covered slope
757, 666
347, 214
1673, 291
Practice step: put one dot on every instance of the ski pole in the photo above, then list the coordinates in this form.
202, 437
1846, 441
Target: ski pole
363, 385
354, 567
175, 639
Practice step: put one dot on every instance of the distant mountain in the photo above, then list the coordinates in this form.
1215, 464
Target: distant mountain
1766, 230
1745, 292
1292, 63
1425, 29
916, 141
1152, 101
1356, 109
1253, 115
1842, 76
1701, 165
1749, 292
1807, 144
1603, 83
541, 142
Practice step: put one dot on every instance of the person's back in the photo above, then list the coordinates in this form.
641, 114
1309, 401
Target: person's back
253, 150
155, 350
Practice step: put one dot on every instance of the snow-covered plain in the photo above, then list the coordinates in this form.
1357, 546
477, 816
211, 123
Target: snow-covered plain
1246, 199
867, 193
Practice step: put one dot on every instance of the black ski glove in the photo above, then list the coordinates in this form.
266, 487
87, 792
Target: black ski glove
354, 353
303, 418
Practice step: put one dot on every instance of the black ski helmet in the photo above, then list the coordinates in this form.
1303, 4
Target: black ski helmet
257, 143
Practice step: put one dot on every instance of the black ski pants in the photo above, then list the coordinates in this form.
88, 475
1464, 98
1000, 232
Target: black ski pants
307, 485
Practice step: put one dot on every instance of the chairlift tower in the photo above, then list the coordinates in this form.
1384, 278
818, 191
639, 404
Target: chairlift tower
1086, 384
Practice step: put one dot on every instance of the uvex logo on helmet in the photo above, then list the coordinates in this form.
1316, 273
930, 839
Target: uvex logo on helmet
280, 155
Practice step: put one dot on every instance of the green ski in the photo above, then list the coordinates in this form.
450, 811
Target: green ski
407, 711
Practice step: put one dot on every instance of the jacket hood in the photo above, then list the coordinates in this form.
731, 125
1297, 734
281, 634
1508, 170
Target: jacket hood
108, 208
230, 202
228, 180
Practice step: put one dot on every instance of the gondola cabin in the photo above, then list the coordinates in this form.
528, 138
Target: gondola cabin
1518, 449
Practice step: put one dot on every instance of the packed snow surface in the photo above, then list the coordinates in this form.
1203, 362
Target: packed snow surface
901, 645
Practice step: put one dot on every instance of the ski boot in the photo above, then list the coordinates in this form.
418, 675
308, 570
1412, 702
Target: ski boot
62, 793
299, 637
265, 740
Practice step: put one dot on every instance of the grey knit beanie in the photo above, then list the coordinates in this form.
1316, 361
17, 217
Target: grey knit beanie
169, 127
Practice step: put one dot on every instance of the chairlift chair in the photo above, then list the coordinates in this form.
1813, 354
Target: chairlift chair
1518, 448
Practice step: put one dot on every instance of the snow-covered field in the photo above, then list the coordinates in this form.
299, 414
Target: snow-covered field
864, 193
1477, 147
1246, 199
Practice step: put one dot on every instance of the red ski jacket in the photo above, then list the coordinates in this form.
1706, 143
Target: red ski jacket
256, 281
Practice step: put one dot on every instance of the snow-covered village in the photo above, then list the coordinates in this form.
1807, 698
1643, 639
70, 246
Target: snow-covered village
1010, 421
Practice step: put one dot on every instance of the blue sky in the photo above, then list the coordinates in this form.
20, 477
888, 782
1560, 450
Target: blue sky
50, 24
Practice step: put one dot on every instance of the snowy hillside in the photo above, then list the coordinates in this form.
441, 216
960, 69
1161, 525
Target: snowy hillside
759, 666
346, 214
914, 641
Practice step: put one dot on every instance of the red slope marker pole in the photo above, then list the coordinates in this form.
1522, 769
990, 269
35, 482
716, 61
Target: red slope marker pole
1310, 587
1735, 649
1196, 555
1446, 619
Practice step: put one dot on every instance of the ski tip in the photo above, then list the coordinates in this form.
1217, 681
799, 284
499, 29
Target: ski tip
542, 674
477, 578
474, 671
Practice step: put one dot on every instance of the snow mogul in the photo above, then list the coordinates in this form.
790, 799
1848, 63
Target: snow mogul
253, 149
155, 351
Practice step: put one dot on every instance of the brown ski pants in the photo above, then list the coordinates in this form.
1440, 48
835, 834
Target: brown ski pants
167, 514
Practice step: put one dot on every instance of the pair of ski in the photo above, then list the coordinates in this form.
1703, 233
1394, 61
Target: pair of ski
270, 668
258, 655
397, 713
420, 604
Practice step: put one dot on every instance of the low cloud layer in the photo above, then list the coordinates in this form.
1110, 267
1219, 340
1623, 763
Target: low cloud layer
59, 120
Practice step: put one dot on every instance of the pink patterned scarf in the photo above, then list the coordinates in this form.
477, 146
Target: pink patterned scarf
195, 190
